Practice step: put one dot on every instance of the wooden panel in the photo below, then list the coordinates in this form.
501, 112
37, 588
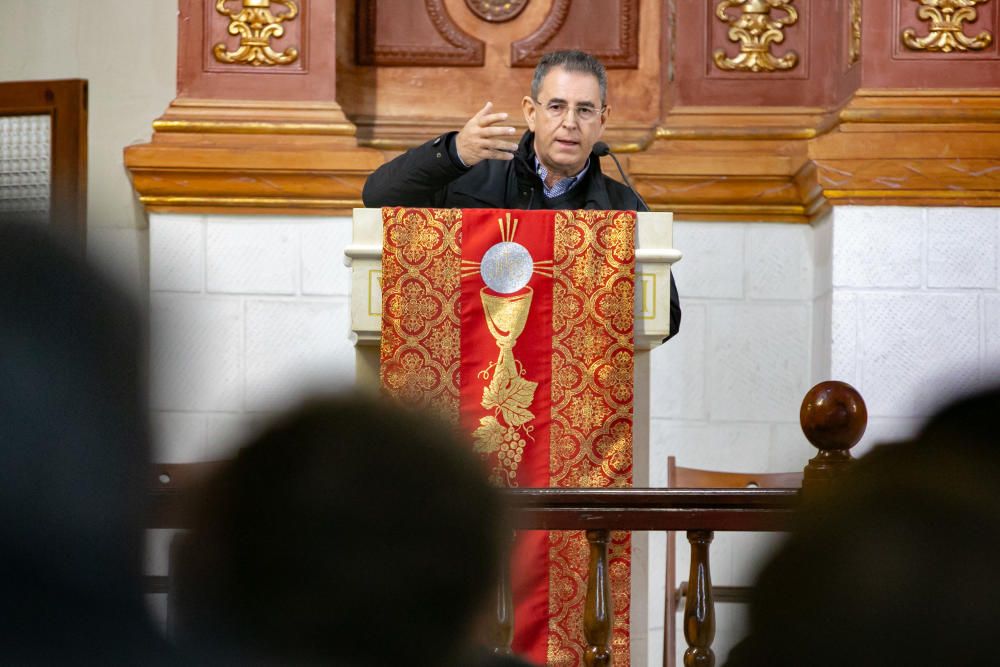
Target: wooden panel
65, 101
704, 141
397, 107
803, 63
608, 30
888, 62
411, 33
311, 76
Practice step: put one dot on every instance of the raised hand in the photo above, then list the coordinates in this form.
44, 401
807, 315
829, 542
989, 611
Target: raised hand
481, 139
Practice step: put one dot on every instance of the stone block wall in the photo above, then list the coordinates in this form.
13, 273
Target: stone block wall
248, 314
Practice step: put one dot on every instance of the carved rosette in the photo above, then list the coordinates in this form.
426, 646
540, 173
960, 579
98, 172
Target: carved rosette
256, 26
854, 47
947, 32
496, 11
756, 29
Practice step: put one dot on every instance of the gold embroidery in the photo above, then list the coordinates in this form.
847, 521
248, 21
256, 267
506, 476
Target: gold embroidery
420, 330
508, 395
591, 433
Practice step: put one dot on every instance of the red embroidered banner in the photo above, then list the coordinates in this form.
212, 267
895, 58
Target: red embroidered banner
517, 325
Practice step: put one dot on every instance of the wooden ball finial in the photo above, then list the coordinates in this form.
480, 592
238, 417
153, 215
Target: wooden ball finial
833, 418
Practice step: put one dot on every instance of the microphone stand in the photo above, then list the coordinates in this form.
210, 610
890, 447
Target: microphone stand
600, 150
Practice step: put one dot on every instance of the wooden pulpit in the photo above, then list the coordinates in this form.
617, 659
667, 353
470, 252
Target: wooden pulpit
654, 256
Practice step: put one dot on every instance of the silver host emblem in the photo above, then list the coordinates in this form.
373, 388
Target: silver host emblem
506, 267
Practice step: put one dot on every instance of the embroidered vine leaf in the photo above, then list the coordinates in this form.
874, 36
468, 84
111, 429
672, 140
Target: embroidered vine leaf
511, 395
489, 436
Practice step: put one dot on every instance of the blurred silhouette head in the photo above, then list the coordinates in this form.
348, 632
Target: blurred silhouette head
897, 565
350, 531
74, 449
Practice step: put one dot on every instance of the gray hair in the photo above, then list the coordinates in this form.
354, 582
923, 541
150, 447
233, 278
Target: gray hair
573, 61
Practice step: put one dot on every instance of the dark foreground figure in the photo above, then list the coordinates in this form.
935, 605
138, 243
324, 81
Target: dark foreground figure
74, 455
348, 533
897, 567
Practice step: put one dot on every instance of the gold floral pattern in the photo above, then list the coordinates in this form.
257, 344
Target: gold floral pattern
616, 376
411, 377
591, 443
618, 306
590, 340
421, 332
414, 306
414, 238
590, 270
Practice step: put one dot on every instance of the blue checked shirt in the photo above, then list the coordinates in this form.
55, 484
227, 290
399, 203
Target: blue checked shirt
561, 187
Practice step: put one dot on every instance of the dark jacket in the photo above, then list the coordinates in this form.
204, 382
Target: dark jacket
432, 175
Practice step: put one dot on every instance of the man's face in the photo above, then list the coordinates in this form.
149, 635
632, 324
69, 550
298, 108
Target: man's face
567, 119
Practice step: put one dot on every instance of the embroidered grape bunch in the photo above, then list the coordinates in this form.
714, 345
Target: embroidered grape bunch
511, 449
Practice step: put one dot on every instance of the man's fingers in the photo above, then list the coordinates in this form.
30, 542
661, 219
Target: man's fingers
489, 132
501, 155
501, 146
489, 119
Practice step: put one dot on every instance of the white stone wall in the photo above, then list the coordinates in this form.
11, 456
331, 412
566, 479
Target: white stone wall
726, 391
916, 309
248, 314
902, 303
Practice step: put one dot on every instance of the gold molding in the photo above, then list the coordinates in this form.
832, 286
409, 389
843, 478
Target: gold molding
249, 127
790, 164
755, 30
900, 195
250, 202
854, 45
256, 26
947, 32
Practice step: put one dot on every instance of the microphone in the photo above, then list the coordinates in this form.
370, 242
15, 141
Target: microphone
600, 150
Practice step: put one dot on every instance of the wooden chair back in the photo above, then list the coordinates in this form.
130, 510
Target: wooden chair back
680, 477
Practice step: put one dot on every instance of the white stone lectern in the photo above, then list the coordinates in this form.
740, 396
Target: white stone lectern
654, 255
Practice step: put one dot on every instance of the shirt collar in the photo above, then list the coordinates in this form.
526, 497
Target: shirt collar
561, 187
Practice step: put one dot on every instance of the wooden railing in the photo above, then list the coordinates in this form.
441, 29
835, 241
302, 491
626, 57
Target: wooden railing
833, 418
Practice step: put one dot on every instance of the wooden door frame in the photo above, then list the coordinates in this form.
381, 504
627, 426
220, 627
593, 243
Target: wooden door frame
65, 102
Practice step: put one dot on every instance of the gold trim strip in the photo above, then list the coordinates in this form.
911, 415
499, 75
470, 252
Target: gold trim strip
253, 127
743, 133
263, 202
936, 116
709, 207
196, 102
914, 194
642, 280
925, 92
371, 274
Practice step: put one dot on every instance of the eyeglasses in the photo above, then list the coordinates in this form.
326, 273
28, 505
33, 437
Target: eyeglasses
557, 109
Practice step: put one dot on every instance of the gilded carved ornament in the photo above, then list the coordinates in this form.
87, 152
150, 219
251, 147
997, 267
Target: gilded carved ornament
854, 49
256, 26
947, 32
756, 30
496, 11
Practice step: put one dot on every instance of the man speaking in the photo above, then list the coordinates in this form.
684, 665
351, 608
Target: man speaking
553, 166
